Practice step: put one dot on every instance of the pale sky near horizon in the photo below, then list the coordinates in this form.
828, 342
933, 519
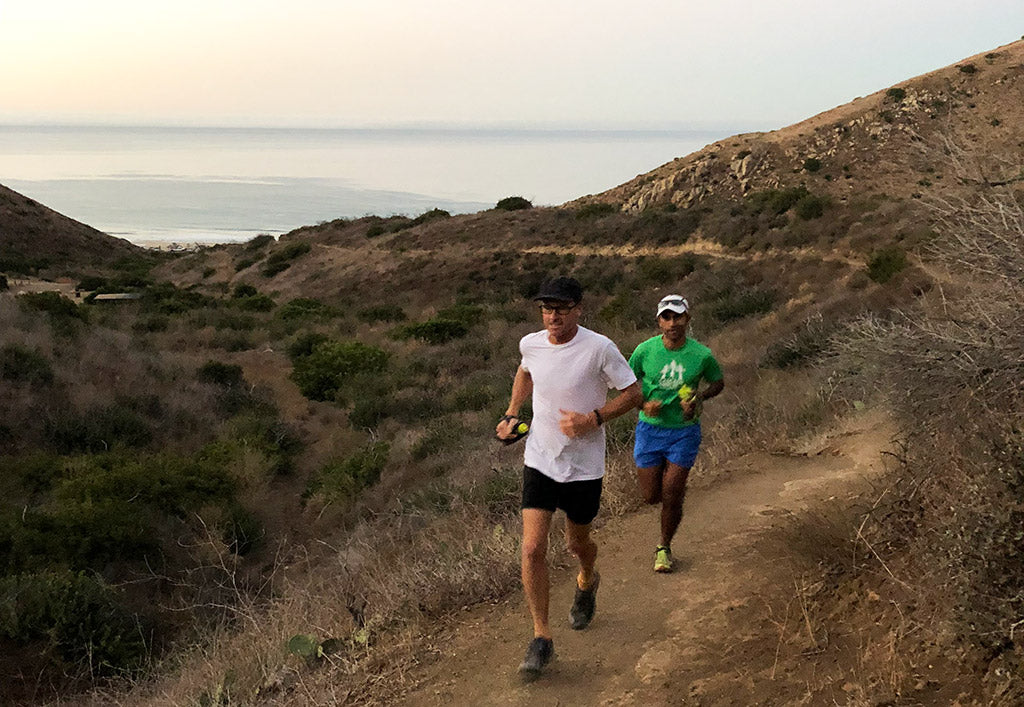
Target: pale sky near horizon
550, 63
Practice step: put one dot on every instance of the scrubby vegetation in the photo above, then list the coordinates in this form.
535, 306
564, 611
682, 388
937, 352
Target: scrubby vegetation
281, 258
189, 475
942, 542
513, 203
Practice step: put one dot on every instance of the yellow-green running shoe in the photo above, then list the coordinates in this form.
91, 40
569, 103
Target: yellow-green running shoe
662, 559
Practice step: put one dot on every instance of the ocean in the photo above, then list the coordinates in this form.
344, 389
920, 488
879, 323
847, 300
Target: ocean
161, 185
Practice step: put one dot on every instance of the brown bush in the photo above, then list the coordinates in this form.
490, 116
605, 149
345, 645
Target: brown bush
952, 368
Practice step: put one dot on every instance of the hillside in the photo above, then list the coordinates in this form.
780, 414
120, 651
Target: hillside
872, 145
34, 237
863, 174
279, 461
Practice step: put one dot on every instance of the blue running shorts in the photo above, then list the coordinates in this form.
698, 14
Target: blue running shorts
654, 444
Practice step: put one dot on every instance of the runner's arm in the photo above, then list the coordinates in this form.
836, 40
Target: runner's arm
712, 390
522, 388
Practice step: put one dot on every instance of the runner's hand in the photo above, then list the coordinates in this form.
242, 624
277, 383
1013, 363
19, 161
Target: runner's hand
691, 407
652, 408
505, 427
574, 424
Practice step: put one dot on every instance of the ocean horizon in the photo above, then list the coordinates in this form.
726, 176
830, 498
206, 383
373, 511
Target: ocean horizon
161, 185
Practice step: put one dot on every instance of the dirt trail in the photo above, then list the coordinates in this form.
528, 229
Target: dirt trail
706, 635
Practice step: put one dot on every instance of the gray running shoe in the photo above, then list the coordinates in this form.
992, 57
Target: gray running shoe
584, 605
538, 654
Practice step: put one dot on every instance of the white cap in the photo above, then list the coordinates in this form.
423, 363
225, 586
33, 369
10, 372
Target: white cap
673, 303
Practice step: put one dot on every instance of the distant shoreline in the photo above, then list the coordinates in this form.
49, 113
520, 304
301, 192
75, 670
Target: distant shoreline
194, 184
397, 130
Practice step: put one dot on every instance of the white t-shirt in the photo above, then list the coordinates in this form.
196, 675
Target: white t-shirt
572, 376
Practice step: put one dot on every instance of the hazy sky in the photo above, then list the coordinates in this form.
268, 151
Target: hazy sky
653, 63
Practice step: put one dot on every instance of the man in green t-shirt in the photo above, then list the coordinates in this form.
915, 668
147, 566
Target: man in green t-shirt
671, 368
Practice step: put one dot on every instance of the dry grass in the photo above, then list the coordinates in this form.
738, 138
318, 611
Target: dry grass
384, 587
939, 547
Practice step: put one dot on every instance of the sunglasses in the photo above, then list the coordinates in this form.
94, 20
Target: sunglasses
560, 310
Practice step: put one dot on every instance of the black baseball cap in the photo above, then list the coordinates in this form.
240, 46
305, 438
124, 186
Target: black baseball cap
560, 289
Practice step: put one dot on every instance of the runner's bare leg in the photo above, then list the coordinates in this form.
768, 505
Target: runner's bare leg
673, 493
536, 526
577, 537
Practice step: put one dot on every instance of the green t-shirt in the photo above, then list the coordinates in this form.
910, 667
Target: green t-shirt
663, 372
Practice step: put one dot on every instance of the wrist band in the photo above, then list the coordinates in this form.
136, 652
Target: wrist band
600, 420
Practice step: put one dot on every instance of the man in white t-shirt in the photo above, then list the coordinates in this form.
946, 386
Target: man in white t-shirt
568, 370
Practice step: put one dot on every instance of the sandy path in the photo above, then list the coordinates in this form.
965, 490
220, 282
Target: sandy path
709, 634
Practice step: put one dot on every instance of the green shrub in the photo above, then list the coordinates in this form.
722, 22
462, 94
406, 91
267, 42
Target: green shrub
810, 341
654, 270
369, 411
221, 319
736, 305
812, 164
896, 94
259, 242
103, 508
275, 268
166, 298
343, 480
244, 290
3, 284
375, 230
381, 313
23, 365
256, 303
776, 201
885, 263
304, 344
440, 435
77, 534
305, 308
322, 373
968, 69
431, 215
513, 203
401, 223
170, 484
626, 308
232, 341
17, 263
254, 432
136, 267
281, 259
596, 210
244, 263
97, 430
416, 405
241, 530
80, 620
398, 223
264, 432
35, 472
54, 304
435, 331
227, 375
468, 314
810, 207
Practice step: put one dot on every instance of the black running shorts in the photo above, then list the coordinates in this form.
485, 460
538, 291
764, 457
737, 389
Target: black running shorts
579, 499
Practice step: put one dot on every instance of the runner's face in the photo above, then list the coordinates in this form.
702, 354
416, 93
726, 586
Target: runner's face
673, 326
560, 319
